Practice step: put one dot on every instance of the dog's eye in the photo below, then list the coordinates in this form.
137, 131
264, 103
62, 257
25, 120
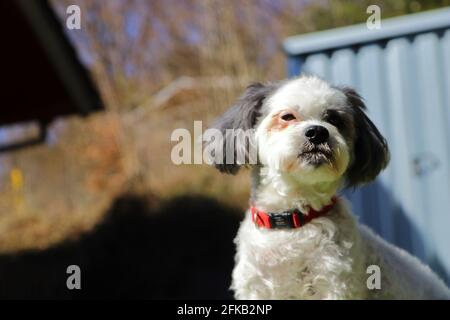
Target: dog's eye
288, 117
333, 118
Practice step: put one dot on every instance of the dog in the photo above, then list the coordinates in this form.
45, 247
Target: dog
299, 239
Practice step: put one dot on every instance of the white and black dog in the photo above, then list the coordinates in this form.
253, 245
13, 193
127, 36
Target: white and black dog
299, 239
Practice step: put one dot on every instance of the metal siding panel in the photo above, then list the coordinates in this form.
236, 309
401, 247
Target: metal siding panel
445, 43
360, 34
294, 65
370, 66
435, 131
398, 90
416, 207
413, 119
317, 64
342, 72
343, 67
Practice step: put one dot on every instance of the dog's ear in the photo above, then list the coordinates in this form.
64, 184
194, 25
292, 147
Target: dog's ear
236, 129
370, 149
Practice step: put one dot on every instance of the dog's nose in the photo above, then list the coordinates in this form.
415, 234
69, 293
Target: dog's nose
317, 134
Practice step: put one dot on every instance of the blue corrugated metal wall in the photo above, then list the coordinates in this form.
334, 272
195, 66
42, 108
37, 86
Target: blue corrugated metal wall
403, 72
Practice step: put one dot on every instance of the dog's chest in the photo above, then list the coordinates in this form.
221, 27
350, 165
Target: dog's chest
313, 262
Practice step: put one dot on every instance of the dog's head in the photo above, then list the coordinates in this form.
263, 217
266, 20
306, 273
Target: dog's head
303, 127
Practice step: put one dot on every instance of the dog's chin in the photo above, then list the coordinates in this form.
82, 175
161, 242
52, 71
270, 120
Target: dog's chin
315, 166
316, 158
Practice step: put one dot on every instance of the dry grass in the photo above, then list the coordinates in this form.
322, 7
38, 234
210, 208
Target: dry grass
66, 186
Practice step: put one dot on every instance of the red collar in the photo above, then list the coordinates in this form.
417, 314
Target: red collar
288, 219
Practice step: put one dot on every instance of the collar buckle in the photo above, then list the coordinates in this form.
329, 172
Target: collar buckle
282, 220
287, 219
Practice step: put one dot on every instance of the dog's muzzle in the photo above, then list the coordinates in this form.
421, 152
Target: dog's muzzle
316, 154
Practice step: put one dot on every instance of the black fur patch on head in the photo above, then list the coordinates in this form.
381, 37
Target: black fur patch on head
370, 149
242, 115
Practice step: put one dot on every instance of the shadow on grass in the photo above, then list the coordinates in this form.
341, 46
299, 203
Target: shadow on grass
182, 250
